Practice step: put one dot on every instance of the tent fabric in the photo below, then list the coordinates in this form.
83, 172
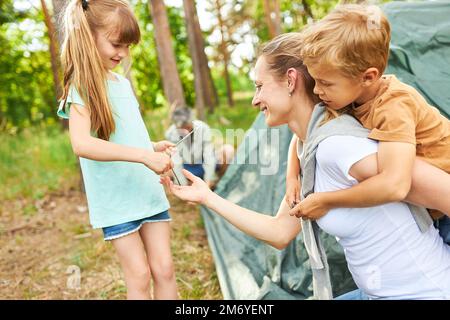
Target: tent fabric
250, 269
420, 48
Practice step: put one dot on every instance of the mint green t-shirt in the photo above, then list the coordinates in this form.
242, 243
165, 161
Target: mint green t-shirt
118, 191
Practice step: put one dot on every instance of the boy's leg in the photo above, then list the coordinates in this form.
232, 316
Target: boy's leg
133, 260
156, 238
443, 225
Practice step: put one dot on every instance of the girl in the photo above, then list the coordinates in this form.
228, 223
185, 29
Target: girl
109, 135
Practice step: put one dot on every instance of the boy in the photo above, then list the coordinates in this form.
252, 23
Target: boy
346, 53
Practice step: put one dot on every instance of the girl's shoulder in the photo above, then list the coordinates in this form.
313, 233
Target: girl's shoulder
119, 86
119, 77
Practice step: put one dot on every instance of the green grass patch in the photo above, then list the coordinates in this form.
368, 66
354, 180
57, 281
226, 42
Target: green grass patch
34, 162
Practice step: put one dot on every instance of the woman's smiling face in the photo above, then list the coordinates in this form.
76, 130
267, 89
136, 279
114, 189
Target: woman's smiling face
272, 95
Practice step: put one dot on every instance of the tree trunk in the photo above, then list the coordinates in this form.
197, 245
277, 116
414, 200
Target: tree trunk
225, 55
226, 74
54, 50
173, 89
209, 90
58, 8
273, 17
211, 97
194, 49
277, 17
307, 9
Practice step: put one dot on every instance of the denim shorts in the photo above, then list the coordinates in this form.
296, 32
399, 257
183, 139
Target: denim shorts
123, 229
357, 294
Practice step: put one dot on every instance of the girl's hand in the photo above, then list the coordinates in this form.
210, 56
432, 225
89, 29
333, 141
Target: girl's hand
196, 192
313, 207
157, 161
164, 146
292, 191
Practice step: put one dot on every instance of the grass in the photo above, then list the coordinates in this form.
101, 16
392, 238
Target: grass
34, 162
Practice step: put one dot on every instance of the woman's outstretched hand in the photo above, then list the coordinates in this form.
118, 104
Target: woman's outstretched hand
196, 192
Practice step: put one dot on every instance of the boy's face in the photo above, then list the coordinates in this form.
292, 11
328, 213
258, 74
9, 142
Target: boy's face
111, 52
334, 89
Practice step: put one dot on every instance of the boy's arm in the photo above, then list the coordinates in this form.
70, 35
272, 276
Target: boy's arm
292, 174
391, 184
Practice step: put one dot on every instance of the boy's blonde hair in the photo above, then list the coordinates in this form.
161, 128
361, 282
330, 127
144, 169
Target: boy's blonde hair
83, 67
351, 39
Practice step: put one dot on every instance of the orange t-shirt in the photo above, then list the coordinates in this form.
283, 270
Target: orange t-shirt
399, 113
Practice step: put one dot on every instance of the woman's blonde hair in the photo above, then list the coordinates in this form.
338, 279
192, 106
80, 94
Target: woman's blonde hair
82, 64
283, 53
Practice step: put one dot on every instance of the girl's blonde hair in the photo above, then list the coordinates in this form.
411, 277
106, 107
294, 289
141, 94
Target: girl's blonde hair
82, 64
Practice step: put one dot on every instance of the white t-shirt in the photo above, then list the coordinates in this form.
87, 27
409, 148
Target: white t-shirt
386, 253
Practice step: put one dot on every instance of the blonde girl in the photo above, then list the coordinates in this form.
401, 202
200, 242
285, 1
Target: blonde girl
120, 164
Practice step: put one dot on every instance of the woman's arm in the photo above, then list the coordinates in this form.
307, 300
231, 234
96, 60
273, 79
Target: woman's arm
86, 146
277, 231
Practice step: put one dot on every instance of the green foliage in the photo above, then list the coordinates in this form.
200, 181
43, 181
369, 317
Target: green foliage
239, 81
35, 161
8, 14
27, 96
145, 69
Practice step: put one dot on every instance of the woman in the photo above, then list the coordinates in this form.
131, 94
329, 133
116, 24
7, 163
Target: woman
389, 257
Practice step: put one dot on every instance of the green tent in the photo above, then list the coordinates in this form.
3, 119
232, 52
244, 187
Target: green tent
250, 269
420, 48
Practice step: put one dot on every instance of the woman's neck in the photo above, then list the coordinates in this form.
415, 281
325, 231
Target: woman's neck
299, 118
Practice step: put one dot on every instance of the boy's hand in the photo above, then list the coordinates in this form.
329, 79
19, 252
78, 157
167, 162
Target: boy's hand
313, 207
164, 146
292, 191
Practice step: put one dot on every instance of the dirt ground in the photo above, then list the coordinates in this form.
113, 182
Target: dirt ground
48, 250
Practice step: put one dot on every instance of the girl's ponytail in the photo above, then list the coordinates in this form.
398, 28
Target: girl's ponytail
82, 64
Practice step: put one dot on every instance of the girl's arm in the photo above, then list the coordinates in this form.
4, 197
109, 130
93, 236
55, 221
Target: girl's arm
277, 231
292, 174
86, 146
